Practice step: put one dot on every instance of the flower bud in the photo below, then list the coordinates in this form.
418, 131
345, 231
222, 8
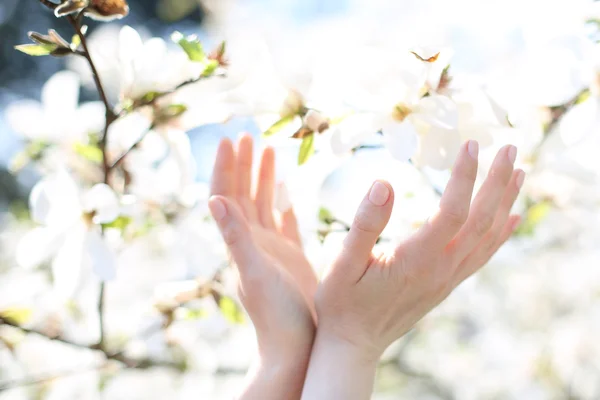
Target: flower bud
315, 121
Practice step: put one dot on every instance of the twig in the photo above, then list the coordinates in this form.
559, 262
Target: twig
8, 322
143, 102
133, 146
43, 378
110, 117
49, 4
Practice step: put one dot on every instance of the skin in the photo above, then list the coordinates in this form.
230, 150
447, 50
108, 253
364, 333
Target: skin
277, 283
365, 301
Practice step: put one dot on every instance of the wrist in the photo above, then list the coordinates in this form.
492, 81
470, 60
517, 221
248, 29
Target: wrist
345, 350
339, 369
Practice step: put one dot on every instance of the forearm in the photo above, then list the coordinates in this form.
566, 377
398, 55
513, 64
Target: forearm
338, 371
276, 380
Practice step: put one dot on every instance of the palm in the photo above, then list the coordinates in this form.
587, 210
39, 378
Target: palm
280, 243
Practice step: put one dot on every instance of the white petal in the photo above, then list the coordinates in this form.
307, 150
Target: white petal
580, 122
130, 44
126, 131
68, 263
282, 198
103, 260
351, 132
181, 150
439, 111
90, 117
54, 200
27, 118
103, 201
60, 95
37, 246
401, 139
438, 148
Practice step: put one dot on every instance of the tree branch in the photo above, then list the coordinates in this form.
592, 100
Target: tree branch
110, 117
148, 102
133, 146
49, 4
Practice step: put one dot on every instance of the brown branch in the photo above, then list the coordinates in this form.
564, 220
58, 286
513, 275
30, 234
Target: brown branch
142, 102
110, 117
43, 378
49, 4
8, 322
133, 146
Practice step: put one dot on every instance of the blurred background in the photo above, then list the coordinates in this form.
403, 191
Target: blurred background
526, 327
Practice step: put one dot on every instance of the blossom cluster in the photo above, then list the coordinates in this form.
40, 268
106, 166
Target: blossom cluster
119, 203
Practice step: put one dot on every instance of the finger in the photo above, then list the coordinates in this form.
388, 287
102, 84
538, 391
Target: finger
371, 218
235, 231
244, 177
485, 206
455, 202
481, 256
289, 226
223, 178
510, 196
265, 189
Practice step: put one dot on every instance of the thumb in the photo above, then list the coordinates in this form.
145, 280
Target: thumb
371, 218
235, 231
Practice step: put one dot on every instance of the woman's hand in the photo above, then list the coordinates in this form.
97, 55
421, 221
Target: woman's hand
277, 283
367, 301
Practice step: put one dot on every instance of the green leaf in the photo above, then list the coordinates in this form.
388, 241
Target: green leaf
89, 152
192, 314
211, 67
170, 112
36, 50
149, 97
191, 45
16, 315
278, 126
307, 149
325, 216
534, 216
120, 223
231, 310
583, 96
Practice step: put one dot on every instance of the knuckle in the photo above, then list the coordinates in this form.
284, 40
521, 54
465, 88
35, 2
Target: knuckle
231, 235
482, 224
454, 215
363, 221
468, 174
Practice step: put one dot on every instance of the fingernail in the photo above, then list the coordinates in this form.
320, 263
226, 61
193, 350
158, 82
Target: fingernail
512, 154
473, 148
379, 194
217, 208
520, 178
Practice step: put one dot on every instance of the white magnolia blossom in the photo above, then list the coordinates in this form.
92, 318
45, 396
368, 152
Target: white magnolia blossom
428, 129
58, 118
69, 232
525, 327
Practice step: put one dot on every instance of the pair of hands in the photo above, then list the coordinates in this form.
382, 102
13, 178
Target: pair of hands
365, 301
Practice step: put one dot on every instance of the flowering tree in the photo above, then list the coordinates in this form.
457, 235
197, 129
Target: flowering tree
123, 267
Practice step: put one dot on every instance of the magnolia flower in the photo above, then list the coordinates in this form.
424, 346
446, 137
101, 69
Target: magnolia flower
101, 10
58, 118
424, 129
70, 231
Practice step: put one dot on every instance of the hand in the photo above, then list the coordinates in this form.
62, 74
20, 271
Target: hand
277, 283
367, 301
